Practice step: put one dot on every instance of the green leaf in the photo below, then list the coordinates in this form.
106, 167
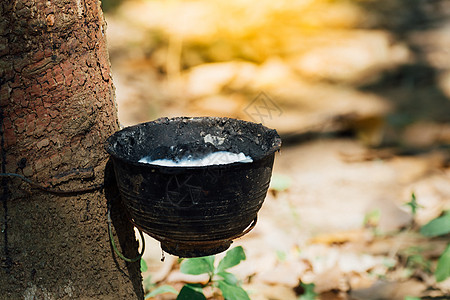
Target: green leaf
195, 286
147, 283
210, 260
191, 292
198, 265
143, 265
228, 278
281, 255
232, 292
309, 293
443, 266
280, 182
417, 261
231, 259
411, 298
161, 290
372, 218
436, 227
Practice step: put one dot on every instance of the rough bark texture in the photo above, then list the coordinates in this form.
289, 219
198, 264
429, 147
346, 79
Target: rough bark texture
56, 110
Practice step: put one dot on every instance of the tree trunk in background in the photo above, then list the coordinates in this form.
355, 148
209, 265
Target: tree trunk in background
57, 108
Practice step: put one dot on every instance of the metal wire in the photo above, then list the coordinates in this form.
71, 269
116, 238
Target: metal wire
53, 190
111, 238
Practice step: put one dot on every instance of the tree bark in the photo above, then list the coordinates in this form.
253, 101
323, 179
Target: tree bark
57, 108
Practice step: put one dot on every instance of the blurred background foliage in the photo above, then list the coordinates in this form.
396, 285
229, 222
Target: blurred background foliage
370, 67
374, 71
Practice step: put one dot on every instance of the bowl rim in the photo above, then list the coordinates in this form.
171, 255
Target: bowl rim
110, 149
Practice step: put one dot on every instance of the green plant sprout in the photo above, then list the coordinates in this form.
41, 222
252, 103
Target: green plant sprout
443, 266
280, 182
372, 218
309, 293
439, 226
144, 267
148, 285
413, 204
161, 290
415, 259
281, 255
219, 277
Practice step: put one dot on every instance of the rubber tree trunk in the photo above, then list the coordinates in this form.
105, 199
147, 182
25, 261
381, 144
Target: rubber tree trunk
57, 108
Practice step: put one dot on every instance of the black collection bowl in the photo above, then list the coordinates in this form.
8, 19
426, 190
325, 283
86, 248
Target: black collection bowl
193, 211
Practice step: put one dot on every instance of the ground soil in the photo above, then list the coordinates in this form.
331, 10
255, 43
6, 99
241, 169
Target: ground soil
361, 101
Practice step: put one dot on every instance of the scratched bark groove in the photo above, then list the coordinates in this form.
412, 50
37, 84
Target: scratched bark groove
57, 101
